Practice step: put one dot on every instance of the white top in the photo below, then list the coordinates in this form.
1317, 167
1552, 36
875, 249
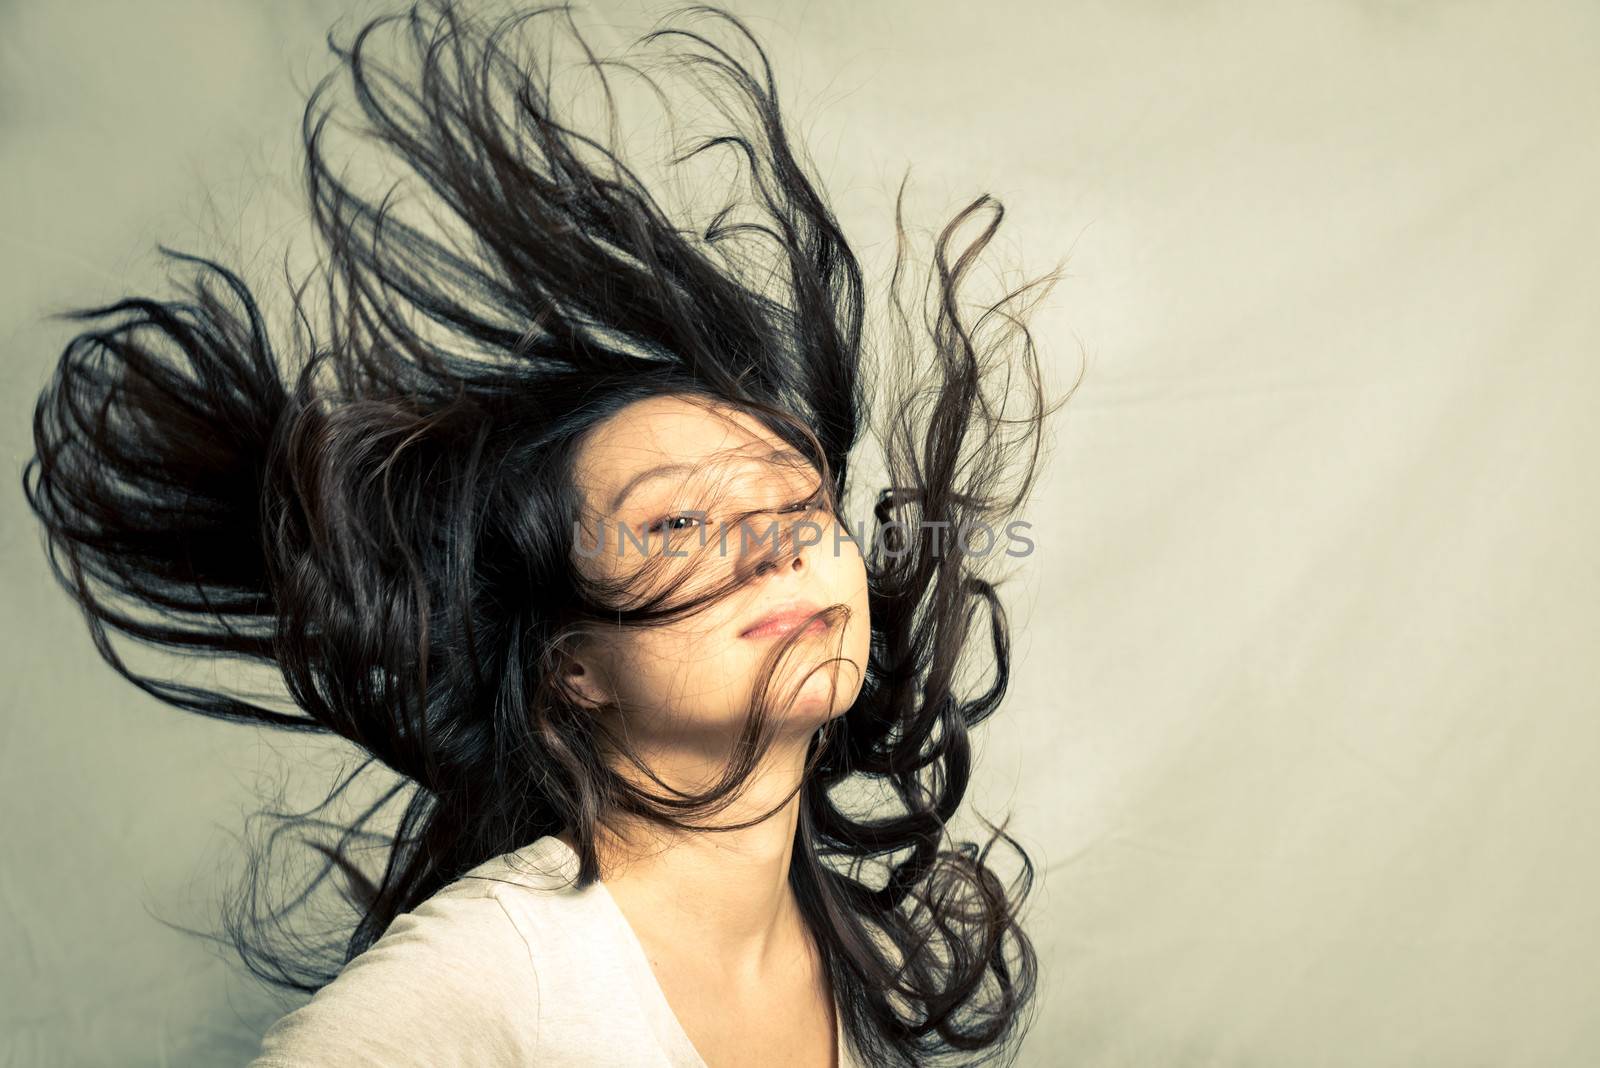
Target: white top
528, 970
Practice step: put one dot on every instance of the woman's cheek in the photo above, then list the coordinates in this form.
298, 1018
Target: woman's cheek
696, 677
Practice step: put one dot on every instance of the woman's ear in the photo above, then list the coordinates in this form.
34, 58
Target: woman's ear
583, 677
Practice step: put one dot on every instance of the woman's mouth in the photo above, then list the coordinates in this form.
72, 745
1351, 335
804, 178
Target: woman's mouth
785, 618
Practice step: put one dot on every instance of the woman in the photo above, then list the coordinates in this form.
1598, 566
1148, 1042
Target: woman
543, 508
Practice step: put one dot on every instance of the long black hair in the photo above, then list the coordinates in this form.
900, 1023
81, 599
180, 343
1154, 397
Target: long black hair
375, 500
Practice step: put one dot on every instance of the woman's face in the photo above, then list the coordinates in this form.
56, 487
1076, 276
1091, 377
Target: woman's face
657, 467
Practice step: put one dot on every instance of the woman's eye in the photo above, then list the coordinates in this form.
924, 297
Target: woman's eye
815, 503
670, 524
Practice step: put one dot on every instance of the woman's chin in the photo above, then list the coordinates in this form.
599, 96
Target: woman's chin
816, 704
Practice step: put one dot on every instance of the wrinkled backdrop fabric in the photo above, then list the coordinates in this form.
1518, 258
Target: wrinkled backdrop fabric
1302, 728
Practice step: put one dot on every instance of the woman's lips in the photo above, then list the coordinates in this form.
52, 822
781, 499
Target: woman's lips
785, 619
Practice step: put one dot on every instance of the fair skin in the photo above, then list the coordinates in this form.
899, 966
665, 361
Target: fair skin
714, 910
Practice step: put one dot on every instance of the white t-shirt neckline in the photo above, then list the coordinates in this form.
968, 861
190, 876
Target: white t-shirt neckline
675, 1041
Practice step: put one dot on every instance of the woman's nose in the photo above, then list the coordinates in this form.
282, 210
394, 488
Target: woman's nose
790, 554
785, 544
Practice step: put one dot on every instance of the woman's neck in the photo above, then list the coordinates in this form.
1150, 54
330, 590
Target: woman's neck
726, 892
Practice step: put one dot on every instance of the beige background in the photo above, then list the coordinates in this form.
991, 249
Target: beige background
1303, 727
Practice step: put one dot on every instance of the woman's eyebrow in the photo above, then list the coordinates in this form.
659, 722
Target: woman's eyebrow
647, 473
628, 487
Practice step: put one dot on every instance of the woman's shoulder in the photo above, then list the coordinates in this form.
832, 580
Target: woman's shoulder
536, 888
453, 981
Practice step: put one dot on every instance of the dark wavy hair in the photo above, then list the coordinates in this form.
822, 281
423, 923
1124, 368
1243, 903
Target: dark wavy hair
376, 501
